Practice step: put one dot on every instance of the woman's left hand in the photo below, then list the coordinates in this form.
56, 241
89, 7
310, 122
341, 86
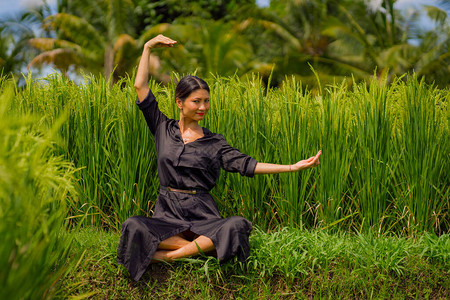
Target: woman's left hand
307, 163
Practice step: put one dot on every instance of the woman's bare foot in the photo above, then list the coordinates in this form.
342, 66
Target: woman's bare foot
161, 255
201, 244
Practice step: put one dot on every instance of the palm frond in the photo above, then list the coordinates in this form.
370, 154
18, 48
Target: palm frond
152, 32
436, 14
126, 51
76, 30
283, 33
47, 44
61, 58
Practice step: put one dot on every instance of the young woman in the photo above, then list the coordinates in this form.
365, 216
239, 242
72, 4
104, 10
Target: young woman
186, 220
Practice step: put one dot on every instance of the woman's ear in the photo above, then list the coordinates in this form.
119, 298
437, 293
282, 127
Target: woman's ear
179, 103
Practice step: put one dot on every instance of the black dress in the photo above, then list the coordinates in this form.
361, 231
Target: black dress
193, 166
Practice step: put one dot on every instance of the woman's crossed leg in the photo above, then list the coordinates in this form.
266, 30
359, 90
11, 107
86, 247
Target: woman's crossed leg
178, 246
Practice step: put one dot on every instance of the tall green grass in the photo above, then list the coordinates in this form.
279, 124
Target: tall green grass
34, 186
385, 161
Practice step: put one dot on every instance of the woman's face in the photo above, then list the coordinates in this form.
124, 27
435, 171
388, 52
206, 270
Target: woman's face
195, 106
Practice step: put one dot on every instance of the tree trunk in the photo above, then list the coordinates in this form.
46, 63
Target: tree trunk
109, 64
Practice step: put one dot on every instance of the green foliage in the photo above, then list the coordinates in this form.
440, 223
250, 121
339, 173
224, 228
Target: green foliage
207, 48
289, 263
384, 163
340, 39
353, 38
15, 52
437, 248
151, 13
213, 47
34, 185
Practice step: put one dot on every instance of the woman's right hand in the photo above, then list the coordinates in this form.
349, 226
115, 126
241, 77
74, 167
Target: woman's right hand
141, 81
160, 41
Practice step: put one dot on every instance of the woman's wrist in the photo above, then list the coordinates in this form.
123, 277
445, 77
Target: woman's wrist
293, 168
147, 47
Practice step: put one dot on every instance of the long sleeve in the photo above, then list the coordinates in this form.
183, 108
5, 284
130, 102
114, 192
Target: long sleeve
152, 114
232, 160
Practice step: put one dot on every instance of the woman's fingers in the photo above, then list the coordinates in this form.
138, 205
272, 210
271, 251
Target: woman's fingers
166, 41
310, 162
317, 157
318, 153
310, 159
160, 41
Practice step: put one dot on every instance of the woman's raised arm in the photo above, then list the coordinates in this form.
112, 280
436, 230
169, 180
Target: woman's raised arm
141, 81
264, 168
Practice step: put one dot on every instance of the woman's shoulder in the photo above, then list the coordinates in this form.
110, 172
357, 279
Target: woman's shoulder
209, 134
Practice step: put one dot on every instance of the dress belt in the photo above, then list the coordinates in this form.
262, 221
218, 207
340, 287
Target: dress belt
191, 192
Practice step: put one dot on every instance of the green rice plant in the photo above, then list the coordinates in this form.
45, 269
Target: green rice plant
131, 174
281, 251
34, 185
422, 194
370, 173
105, 137
339, 148
374, 172
239, 112
297, 138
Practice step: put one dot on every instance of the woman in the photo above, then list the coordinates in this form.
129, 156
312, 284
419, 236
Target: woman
186, 221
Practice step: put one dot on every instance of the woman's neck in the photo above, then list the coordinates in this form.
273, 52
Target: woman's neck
186, 124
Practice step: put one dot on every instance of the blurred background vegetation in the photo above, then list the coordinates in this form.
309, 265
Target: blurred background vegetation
342, 40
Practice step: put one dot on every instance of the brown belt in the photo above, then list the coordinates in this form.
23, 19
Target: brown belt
191, 192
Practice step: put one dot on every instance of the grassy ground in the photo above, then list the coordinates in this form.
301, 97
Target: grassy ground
285, 264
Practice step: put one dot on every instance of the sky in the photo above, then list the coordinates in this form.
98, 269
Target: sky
12, 7
9, 8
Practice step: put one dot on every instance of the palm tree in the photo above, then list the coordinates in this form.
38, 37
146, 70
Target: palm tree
14, 49
10, 60
207, 48
386, 40
299, 30
349, 38
431, 57
88, 39
95, 46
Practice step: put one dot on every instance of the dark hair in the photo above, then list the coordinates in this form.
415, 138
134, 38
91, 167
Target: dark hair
189, 84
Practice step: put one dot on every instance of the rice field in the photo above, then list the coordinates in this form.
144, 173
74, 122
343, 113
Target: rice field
385, 162
75, 156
